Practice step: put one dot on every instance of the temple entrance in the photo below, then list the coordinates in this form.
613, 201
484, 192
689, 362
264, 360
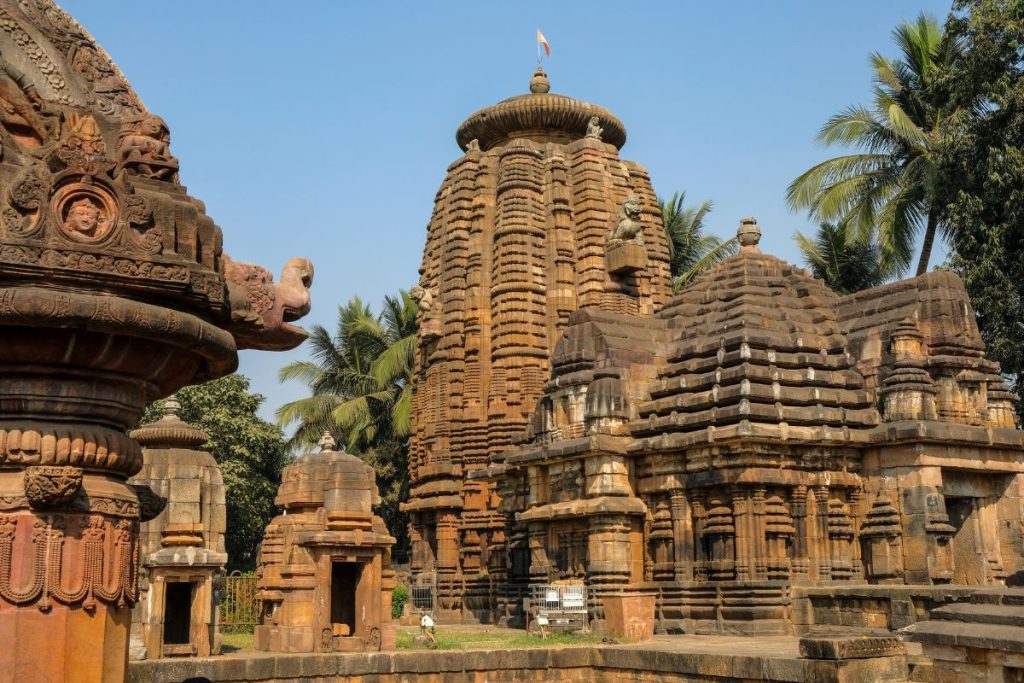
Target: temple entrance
968, 556
344, 580
177, 612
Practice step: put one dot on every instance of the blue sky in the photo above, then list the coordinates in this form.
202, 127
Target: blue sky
324, 129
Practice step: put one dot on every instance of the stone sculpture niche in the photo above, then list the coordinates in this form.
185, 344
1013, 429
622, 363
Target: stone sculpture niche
181, 550
325, 579
114, 292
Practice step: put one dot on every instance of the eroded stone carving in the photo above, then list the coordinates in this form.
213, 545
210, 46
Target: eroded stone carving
263, 309
20, 106
628, 227
150, 504
49, 487
144, 148
594, 129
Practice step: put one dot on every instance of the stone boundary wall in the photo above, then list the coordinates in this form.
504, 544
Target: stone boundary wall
885, 607
602, 664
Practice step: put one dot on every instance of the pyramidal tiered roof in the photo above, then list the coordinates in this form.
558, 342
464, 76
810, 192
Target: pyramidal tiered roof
756, 350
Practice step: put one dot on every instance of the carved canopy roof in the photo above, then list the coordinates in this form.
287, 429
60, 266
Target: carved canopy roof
540, 115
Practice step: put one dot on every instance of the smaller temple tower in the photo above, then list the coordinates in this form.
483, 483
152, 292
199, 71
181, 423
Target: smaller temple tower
324, 570
182, 548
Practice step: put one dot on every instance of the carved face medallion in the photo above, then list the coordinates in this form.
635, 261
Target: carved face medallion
85, 213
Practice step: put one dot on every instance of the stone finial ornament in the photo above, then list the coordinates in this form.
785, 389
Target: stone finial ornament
749, 234
594, 129
327, 442
539, 83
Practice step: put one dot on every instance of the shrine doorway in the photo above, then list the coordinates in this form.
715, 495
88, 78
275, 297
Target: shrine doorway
344, 582
178, 612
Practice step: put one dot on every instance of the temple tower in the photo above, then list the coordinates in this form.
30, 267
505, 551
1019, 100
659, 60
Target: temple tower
515, 244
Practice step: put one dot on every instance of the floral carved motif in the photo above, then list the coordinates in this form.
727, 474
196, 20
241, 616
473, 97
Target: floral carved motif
26, 196
51, 486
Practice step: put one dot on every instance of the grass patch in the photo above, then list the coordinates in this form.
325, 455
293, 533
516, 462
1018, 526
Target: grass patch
486, 639
233, 642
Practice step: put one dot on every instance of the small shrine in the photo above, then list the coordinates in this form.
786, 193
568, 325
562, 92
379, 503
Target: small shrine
182, 553
324, 571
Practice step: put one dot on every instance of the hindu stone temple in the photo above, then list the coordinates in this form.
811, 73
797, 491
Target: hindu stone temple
516, 243
759, 434
324, 567
115, 291
181, 550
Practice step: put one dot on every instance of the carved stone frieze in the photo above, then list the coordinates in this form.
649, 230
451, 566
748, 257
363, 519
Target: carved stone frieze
68, 554
51, 486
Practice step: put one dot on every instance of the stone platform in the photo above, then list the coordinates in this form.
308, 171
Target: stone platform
663, 659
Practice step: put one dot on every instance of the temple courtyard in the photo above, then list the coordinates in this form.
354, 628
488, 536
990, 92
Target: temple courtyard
610, 470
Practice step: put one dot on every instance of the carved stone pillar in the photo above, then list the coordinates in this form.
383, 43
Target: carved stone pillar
801, 544
114, 292
682, 532
742, 511
823, 552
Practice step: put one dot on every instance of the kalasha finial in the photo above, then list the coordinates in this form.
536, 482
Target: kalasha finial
539, 83
171, 408
327, 442
749, 235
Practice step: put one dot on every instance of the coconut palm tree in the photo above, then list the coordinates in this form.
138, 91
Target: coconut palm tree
847, 263
359, 378
888, 189
690, 249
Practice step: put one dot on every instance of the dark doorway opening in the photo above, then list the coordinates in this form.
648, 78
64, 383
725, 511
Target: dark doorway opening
177, 613
344, 580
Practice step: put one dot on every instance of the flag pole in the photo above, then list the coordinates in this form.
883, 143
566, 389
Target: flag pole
538, 49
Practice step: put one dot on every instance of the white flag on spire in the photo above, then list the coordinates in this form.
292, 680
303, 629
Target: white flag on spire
541, 40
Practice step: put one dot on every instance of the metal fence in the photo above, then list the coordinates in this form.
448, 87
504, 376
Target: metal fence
559, 606
422, 590
239, 607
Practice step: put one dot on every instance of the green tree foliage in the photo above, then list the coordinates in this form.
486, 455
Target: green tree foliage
690, 248
847, 263
888, 189
360, 384
983, 173
251, 453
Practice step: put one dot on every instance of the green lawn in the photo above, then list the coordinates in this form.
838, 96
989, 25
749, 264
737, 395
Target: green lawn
487, 639
233, 642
